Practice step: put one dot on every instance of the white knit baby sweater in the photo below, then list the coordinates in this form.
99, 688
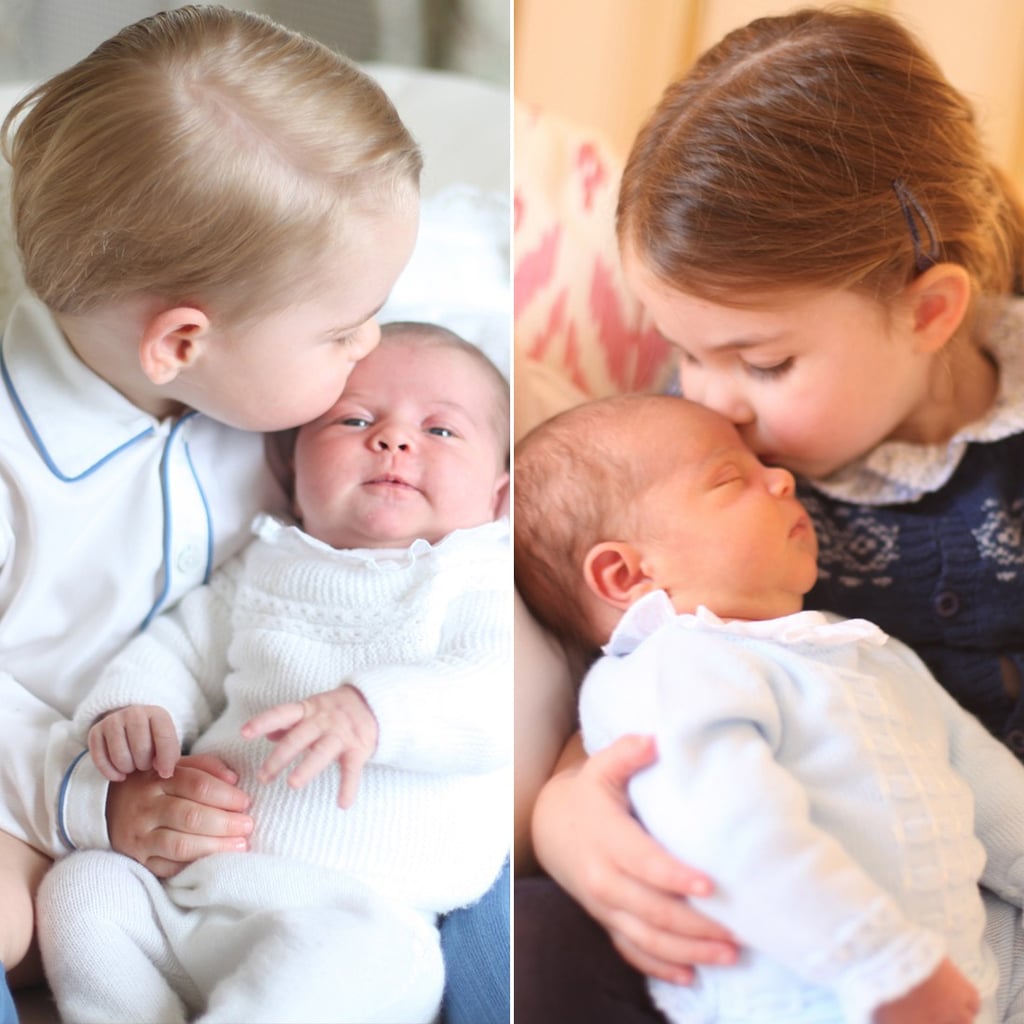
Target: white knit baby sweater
424, 634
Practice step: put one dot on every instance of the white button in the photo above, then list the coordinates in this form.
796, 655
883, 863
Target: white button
189, 559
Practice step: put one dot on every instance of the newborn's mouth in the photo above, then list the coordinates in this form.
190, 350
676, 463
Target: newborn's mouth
802, 525
389, 480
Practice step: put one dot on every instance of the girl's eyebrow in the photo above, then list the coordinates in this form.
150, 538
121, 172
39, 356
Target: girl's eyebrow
731, 345
754, 341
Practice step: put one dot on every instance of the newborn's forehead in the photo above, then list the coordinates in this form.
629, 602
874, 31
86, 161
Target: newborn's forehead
690, 427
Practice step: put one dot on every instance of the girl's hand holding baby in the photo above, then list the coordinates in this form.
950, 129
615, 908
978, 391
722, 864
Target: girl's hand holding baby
627, 882
944, 997
334, 726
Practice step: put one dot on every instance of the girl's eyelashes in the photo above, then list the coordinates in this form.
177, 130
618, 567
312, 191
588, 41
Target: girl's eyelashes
768, 372
687, 361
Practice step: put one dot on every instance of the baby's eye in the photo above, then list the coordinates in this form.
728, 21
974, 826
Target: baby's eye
726, 481
727, 475
768, 372
441, 431
355, 421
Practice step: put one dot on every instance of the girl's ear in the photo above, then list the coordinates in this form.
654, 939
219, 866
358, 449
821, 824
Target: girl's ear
171, 341
612, 570
938, 300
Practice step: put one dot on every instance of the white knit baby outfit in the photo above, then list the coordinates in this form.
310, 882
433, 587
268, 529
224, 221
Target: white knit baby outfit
331, 916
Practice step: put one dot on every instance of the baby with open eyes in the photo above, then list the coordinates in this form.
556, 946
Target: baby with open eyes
848, 809
375, 636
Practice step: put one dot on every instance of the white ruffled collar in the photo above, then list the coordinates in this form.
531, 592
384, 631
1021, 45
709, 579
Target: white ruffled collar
898, 471
819, 629
277, 531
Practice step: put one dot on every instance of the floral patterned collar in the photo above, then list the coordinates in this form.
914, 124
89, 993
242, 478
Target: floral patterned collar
898, 471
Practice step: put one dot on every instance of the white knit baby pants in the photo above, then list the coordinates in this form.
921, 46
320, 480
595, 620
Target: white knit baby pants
234, 937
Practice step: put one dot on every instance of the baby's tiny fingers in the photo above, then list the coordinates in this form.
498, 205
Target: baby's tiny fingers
319, 755
276, 719
294, 741
138, 732
100, 758
119, 752
352, 762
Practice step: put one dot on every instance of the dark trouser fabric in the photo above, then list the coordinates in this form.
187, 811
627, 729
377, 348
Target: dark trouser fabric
566, 970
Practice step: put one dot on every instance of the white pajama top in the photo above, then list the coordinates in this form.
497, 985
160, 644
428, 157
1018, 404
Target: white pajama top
107, 516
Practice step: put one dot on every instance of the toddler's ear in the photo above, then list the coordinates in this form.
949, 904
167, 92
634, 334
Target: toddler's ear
612, 570
938, 301
170, 342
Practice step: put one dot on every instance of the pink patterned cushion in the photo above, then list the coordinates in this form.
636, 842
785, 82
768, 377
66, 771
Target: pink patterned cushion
573, 312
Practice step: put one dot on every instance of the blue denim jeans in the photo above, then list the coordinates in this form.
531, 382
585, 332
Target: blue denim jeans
475, 942
8, 1014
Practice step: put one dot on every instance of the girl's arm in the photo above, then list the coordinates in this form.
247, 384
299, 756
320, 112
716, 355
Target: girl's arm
588, 841
545, 717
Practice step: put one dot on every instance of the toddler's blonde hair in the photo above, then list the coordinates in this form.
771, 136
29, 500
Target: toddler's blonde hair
203, 154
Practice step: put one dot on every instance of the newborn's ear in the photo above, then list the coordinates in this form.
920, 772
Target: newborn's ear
612, 571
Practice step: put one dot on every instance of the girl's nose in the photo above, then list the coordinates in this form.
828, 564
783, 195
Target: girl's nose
718, 392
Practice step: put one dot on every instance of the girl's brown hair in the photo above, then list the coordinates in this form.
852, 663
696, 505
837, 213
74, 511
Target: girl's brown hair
824, 148
203, 154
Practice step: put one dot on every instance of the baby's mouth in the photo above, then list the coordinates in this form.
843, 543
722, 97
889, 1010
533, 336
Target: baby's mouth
389, 480
802, 526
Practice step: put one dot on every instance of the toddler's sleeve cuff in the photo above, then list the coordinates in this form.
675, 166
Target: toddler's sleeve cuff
82, 806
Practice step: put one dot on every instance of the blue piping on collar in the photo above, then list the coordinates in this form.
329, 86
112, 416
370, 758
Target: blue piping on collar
34, 434
162, 596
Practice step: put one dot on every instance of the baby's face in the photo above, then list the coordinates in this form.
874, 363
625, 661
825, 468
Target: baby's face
409, 450
718, 527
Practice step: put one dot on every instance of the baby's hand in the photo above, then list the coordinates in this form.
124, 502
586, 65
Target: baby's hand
138, 738
944, 997
334, 726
